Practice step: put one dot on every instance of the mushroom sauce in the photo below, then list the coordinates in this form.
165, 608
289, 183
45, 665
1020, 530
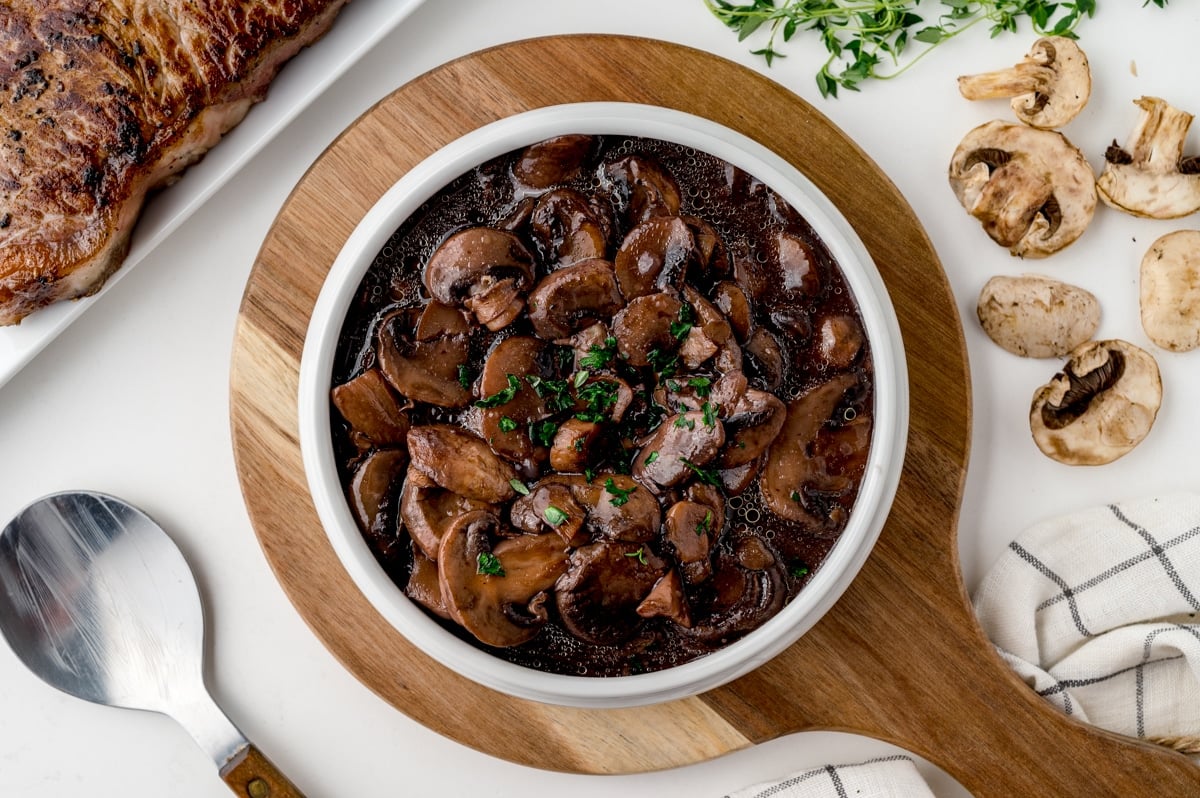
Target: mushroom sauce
602, 405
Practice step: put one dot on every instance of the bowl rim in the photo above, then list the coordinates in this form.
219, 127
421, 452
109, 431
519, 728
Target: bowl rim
876, 493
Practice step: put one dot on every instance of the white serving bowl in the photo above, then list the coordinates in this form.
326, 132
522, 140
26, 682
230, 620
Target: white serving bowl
883, 465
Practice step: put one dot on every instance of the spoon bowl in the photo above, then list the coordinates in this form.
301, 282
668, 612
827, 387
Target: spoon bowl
98, 602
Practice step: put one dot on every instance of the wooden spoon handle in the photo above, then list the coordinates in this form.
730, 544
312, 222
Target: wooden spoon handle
251, 775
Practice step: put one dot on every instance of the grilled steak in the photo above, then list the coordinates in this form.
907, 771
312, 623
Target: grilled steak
102, 101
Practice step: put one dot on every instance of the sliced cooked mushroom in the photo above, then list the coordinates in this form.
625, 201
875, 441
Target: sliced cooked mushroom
654, 256
1031, 189
711, 257
491, 590
1150, 176
483, 269
789, 466
423, 586
550, 506
731, 300
711, 336
742, 599
841, 451
1048, 88
572, 298
460, 462
751, 425
1170, 291
427, 510
371, 409
506, 426
839, 340
667, 600
643, 188
763, 357
1100, 406
797, 266
611, 507
643, 328
573, 445
372, 490
1035, 316
553, 161
676, 451
691, 528
737, 480
603, 397
598, 596
423, 364
568, 227
587, 342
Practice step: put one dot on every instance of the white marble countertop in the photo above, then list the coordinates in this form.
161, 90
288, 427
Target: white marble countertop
133, 400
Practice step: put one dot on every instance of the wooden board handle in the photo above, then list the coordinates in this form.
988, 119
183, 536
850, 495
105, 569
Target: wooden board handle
251, 775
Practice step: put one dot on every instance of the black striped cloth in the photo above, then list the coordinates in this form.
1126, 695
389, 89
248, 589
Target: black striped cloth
886, 777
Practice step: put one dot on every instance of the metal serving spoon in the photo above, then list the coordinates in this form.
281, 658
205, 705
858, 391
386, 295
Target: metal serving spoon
97, 601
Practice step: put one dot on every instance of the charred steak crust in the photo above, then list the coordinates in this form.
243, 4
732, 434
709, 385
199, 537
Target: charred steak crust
102, 101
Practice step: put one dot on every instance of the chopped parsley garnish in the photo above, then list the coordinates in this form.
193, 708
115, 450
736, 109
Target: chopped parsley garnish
799, 569
488, 564
542, 432
710, 414
464, 377
600, 396
795, 496
519, 487
501, 397
589, 474
580, 378
672, 386
553, 515
620, 496
650, 458
703, 386
507, 424
640, 554
680, 328
684, 421
705, 475
578, 444
554, 392
662, 362
599, 357
705, 525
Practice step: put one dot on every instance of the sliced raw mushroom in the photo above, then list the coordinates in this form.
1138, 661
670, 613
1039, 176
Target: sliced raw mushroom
654, 256
373, 491
570, 299
372, 410
741, 599
598, 597
1101, 405
1150, 176
643, 330
1048, 88
492, 590
1032, 190
553, 161
485, 270
506, 426
643, 188
789, 465
1035, 316
422, 353
1170, 291
423, 586
427, 510
460, 462
569, 227
667, 600
678, 450
691, 529
751, 426
839, 341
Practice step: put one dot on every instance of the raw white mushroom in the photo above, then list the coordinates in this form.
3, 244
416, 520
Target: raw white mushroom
1149, 176
1048, 88
1100, 406
1034, 316
1032, 190
1170, 291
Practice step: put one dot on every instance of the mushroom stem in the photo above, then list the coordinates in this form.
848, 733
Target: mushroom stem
1023, 78
1158, 138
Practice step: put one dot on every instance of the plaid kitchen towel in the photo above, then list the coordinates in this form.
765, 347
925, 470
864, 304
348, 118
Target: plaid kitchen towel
886, 777
1097, 612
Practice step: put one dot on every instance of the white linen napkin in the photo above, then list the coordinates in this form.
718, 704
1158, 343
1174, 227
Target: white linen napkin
886, 777
1097, 612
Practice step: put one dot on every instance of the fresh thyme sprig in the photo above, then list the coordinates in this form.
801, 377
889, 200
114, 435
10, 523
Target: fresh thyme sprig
870, 38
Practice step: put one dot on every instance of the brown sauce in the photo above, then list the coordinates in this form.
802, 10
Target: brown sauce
757, 561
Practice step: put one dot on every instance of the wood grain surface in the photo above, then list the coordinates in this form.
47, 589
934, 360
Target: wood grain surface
900, 657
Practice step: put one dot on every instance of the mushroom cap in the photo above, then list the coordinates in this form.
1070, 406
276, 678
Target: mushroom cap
1035, 316
484, 270
569, 299
555, 160
423, 364
1150, 177
1101, 405
569, 227
1032, 190
643, 187
644, 325
371, 409
654, 256
1048, 88
598, 596
1170, 291
461, 462
520, 356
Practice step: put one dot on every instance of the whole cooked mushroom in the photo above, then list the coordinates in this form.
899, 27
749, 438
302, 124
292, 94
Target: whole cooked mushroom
679, 449
643, 330
421, 354
1032, 190
569, 227
460, 462
654, 256
643, 188
1100, 406
568, 300
839, 340
492, 590
1034, 316
483, 269
1150, 176
1170, 291
1048, 88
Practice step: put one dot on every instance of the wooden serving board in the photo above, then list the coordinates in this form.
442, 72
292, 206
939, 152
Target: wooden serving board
900, 657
